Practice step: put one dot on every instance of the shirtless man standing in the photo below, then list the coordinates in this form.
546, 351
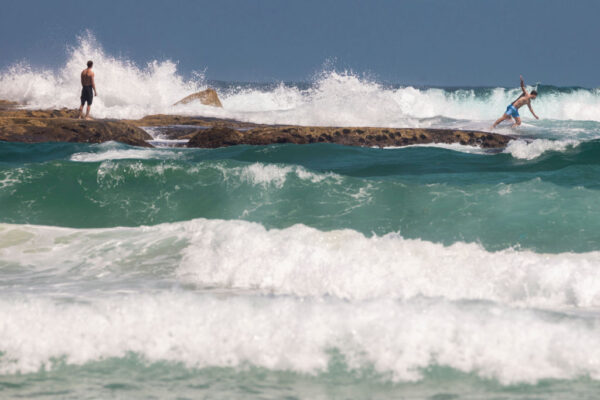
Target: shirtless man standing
513, 109
87, 81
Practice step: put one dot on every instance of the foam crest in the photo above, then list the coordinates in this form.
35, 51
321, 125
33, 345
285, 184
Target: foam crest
306, 262
10, 177
447, 146
397, 339
80, 254
273, 174
529, 150
343, 263
114, 151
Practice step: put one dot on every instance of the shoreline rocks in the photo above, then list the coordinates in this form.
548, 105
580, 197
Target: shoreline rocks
8, 105
219, 136
34, 126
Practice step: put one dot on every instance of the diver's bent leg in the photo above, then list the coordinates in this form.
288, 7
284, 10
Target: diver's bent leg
517, 121
502, 118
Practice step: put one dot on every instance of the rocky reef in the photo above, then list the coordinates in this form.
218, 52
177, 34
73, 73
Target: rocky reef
31, 126
219, 136
216, 132
63, 126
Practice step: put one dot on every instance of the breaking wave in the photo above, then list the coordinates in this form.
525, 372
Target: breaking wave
127, 90
232, 293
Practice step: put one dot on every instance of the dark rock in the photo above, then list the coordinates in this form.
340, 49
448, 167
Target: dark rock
60, 125
268, 134
216, 137
8, 105
34, 126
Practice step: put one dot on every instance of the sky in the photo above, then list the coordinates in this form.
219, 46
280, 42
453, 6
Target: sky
412, 42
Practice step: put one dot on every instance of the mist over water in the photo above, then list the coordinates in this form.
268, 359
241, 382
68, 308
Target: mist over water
312, 272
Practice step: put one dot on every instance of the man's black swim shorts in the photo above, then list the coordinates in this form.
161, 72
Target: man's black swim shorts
87, 95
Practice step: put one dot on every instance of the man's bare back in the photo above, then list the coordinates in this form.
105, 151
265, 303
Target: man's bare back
521, 101
87, 77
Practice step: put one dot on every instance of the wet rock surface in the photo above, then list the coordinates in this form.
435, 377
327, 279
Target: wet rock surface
7, 105
219, 136
34, 126
182, 120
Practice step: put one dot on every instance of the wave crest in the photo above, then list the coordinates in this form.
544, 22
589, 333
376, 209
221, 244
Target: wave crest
333, 98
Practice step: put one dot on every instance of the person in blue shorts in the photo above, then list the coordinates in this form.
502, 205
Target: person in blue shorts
512, 111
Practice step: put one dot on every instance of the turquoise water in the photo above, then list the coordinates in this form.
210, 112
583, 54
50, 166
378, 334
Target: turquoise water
308, 272
301, 272
548, 204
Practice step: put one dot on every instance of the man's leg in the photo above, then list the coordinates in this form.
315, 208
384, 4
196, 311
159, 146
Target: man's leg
87, 113
517, 121
502, 118
80, 112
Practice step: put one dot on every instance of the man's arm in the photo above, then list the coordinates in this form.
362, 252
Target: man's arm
531, 109
94, 85
82, 84
523, 86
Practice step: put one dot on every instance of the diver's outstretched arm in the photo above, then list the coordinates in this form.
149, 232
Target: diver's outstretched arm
531, 109
523, 85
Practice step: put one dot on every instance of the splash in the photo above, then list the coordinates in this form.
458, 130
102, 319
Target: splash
333, 98
125, 90
530, 150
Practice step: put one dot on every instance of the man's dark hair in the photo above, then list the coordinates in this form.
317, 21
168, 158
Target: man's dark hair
90, 63
534, 92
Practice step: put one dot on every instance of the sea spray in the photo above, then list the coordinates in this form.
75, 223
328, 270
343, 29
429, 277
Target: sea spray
332, 98
125, 90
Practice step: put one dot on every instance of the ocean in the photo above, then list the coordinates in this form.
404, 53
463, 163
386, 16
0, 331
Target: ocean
300, 271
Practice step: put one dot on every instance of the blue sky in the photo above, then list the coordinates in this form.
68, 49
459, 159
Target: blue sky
420, 42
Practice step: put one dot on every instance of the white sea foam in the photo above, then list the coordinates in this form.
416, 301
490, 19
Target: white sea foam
398, 339
334, 98
447, 146
124, 89
11, 177
116, 153
529, 150
306, 262
273, 174
283, 299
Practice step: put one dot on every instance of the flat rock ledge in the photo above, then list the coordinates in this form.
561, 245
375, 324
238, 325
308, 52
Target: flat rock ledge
34, 126
62, 126
220, 136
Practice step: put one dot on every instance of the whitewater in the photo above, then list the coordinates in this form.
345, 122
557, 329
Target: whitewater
299, 271
331, 98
